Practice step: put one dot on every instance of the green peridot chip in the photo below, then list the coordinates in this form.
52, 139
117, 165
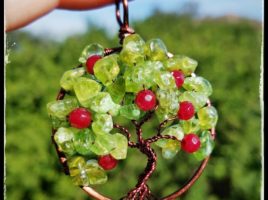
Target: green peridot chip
107, 69
85, 89
61, 108
90, 50
68, 79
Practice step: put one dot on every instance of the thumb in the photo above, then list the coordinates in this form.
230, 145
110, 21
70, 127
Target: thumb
83, 4
19, 13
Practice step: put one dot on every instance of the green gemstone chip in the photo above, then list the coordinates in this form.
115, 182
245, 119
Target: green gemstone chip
208, 117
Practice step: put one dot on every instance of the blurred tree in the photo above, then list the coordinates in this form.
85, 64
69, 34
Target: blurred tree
229, 54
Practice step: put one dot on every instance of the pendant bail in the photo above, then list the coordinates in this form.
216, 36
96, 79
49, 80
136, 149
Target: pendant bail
124, 30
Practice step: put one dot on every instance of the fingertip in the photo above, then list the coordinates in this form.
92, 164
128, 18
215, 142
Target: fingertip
83, 4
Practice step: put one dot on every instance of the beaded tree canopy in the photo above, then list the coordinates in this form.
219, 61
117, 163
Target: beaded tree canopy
135, 81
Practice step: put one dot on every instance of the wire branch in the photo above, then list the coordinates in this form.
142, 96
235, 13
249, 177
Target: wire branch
158, 137
147, 117
164, 123
126, 132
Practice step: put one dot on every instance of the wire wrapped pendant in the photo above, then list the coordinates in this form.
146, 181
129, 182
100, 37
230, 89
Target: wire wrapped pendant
137, 81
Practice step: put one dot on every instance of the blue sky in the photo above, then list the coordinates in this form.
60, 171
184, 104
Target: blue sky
60, 24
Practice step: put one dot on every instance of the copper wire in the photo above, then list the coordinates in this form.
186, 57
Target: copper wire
124, 29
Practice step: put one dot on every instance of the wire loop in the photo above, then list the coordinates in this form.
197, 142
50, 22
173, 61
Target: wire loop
118, 15
124, 25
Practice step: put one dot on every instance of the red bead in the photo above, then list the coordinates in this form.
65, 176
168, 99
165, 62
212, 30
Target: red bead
91, 62
186, 110
107, 162
80, 118
179, 78
145, 100
190, 143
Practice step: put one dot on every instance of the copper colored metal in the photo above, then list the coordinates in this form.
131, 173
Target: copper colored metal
109, 51
147, 117
124, 30
94, 194
118, 15
162, 124
126, 132
189, 184
158, 137
61, 155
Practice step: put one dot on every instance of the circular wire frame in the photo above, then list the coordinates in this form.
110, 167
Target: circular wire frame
96, 195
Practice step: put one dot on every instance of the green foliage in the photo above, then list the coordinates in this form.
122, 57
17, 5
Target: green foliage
228, 55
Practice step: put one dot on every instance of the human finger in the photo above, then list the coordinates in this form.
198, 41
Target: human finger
83, 4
